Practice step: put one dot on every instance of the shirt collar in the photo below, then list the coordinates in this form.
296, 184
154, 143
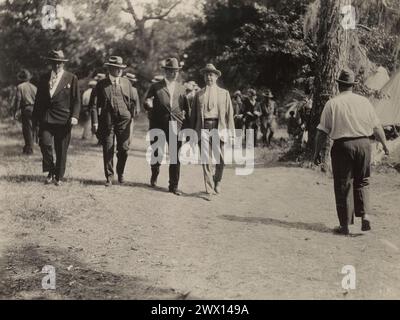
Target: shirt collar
114, 79
169, 82
59, 74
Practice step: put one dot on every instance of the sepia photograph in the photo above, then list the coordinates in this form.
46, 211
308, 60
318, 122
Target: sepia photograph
213, 151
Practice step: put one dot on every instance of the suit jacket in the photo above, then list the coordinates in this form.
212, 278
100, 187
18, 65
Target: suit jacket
102, 112
226, 125
162, 111
63, 105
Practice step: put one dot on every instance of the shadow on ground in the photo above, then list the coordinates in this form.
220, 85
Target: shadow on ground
21, 278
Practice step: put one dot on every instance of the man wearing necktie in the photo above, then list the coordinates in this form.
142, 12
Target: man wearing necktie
117, 101
56, 109
166, 103
213, 112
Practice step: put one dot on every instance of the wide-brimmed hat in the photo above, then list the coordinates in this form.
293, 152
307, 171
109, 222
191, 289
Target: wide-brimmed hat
100, 76
171, 63
157, 78
347, 77
24, 75
237, 93
56, 55
251, 92
268, 94
131, 77
210, 68
115, 61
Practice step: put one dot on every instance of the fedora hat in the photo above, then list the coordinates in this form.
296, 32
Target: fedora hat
24, 75
171, 63
157, 78
210, 68
251, 92
115, 61
347, 77
268, 94
100, 76
56, 55
130, 77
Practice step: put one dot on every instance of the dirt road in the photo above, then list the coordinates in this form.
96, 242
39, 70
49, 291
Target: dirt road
268, 236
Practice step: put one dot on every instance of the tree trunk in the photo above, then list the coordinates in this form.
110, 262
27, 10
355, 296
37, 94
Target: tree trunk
334, 43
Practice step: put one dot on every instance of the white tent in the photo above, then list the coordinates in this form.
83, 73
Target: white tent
378, 79
388, 109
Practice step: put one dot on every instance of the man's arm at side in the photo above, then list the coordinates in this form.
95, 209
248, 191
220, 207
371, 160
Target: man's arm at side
320, 141
380, 136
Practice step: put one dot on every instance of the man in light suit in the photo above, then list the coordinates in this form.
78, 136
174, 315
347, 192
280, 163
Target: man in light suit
166, 102
212, 109
56, 109
117, 102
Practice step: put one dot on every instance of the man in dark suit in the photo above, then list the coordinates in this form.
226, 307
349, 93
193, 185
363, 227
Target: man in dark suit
118, 101
166, 102
56, 109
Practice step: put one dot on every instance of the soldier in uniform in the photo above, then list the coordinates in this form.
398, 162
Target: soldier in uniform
268, 118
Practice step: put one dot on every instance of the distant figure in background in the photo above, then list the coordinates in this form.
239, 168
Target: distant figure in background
24, 101
57, 107
251, 113
237, 105
93, 105
349, 119
85, 110
268, 118
293, 127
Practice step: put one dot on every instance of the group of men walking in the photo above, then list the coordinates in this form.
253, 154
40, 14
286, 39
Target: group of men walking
348, 119
112, 104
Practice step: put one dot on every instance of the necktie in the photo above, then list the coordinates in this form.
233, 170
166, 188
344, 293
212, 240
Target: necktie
53, 80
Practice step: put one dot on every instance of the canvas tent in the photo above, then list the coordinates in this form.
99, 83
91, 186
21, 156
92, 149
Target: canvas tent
388, 109
378, 80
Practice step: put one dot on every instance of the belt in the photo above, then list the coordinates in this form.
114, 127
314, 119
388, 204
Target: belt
211, 120
350, 139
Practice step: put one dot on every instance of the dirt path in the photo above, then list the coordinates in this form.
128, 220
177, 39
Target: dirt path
267, 236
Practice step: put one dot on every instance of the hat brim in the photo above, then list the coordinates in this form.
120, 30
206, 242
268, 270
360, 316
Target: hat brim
346, 82
25, 78
171, 68
217, 72
56, 59
122, 66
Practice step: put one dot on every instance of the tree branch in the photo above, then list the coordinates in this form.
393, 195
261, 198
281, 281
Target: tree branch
390, 8
161, 15
131, 10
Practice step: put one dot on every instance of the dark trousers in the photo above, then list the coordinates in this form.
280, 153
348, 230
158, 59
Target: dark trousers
351, 159
174, 168
252, 125
120, 131
58, 135
27, 129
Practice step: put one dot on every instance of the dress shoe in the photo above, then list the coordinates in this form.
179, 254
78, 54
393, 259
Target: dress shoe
121, 179
175, 191
341, 230
208, 197
108, 183
365, 225
58, 183
153, 181
217, 187
49, 179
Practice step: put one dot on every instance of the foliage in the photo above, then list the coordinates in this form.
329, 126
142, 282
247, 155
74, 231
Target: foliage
257, 43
